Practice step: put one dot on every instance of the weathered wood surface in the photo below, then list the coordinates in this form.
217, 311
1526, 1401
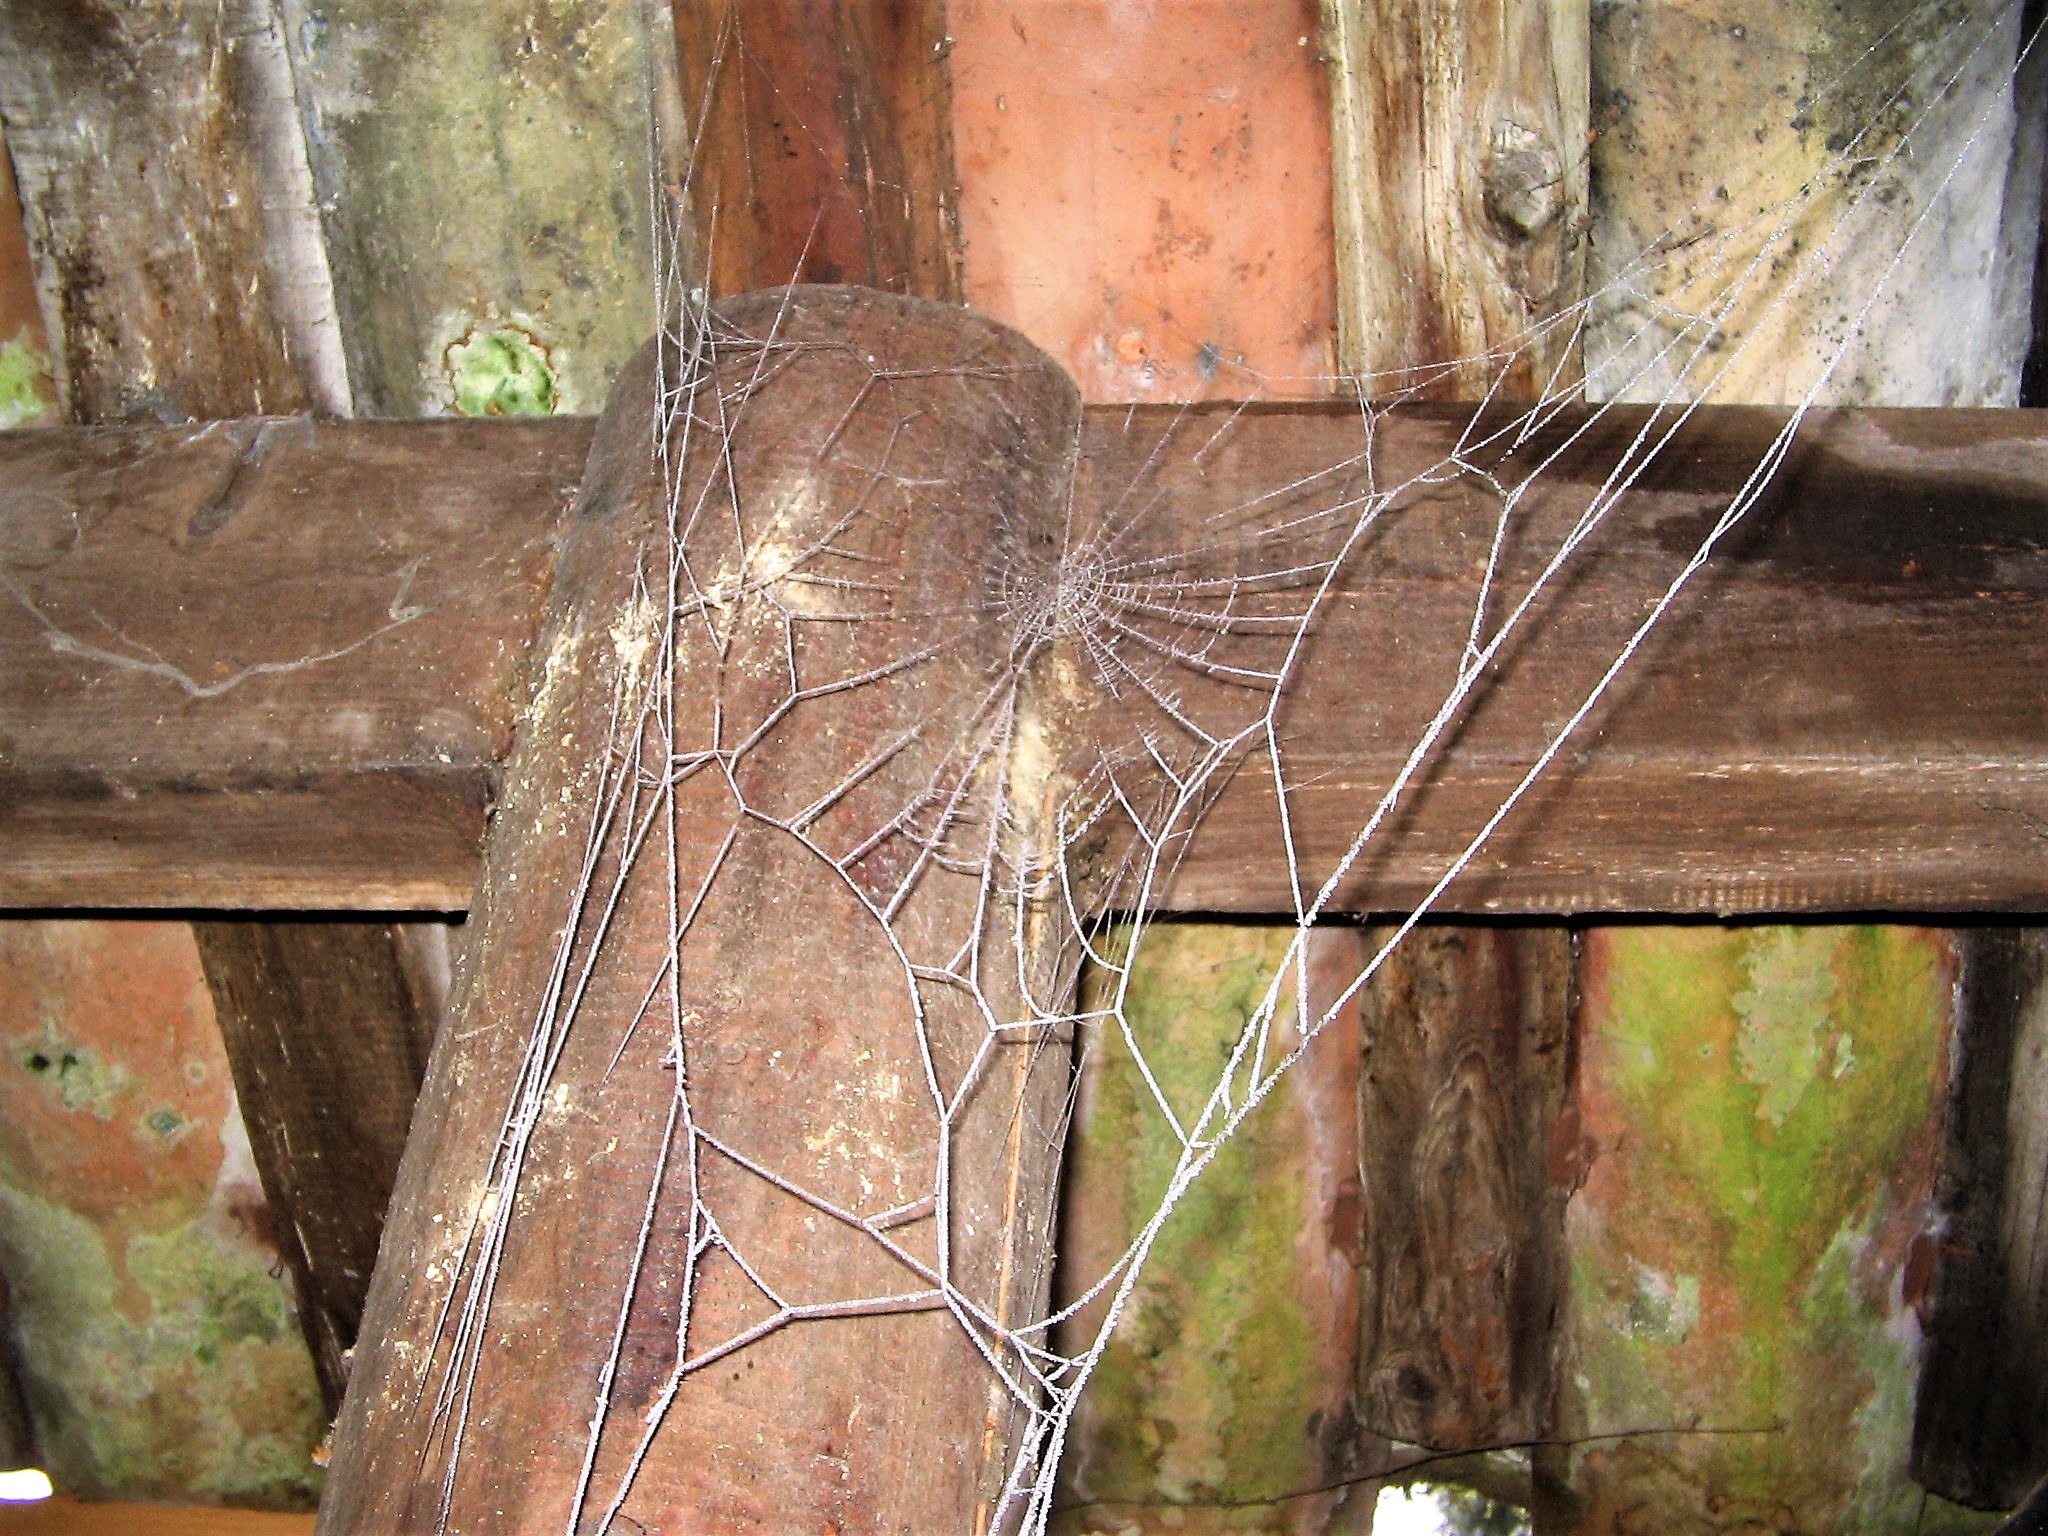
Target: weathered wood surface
1747, 761
265, 664
1467, 1062
327, 1026
884, 1420
824, 144
1980, 1280
146, 200
1844, 716
1461, 202
1460, 171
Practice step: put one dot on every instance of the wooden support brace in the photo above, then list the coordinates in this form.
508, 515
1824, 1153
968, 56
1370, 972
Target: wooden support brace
734, 1164
1980, 1278
327, 1026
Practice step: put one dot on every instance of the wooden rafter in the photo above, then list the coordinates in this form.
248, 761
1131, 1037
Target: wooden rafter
277, 665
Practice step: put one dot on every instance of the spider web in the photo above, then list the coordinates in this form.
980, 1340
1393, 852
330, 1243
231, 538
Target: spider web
1031, 690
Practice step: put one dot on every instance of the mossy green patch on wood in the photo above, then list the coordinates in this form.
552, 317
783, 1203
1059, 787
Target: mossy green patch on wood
1205, 1394
1763, 1102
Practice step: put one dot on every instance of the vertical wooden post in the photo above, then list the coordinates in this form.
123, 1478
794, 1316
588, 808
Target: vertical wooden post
1467, 1056
1461, 191
729, 1051
822, 136
1460, 163
1981, 1280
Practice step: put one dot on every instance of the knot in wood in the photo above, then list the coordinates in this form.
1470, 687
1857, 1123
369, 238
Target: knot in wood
1523, 183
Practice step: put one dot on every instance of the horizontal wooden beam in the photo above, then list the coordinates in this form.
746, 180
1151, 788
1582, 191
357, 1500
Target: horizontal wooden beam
266, 664
1844, 711
63, 1516
277, 664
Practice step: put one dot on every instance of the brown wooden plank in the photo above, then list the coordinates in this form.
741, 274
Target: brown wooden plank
1845, 715
1871, 638
64, 1516
1980, 1279
265, 664
328, 1026
825, 143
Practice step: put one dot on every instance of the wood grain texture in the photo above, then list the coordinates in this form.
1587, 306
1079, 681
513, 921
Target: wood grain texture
63, 1516
265, 664
794, 1001
1739, 766
145, 197
328, 1026
824, 143
1844, 716
1461, 198
1467, 1063
1980, 1280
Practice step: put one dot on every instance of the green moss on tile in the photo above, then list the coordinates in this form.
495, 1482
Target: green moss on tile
26, 391
172, 1368
505, 371
1761, 1098
1199, 1398
1784, 1012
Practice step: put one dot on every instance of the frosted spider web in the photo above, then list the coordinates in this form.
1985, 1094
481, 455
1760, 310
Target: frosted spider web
1188, 641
